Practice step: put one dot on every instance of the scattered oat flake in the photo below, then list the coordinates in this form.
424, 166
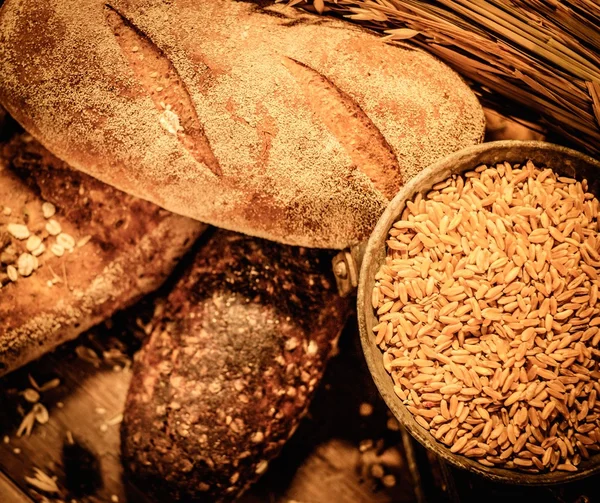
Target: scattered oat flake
393, 424
103, 427
7, 211
169, 120
31, 395
261, 467
115, 420
114, 498
42, 482
365, 445
58, 250
6, 439
26, 424
16, 450
114, 355
51, 384
377, 471
88, 355
100, 410
60, 405
26, 264
41, 413
33, 382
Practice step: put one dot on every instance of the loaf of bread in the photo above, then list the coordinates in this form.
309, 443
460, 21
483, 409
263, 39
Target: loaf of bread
259, 119
229, 368
73, 250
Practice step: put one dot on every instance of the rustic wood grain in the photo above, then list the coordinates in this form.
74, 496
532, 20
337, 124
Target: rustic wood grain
87, 398
10, 493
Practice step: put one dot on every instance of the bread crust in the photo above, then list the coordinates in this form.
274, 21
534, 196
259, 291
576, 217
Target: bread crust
124, 247
230, 367
264, 120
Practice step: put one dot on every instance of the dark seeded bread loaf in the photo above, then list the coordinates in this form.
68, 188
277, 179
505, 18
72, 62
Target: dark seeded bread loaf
113, 248
229, 368
263, 120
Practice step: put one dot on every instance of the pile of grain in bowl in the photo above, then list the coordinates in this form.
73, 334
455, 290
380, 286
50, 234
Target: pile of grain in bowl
488, 316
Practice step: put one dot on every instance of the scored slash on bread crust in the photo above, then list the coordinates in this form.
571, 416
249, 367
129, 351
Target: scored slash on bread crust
162, 83
117, 248
155, 98
230, 367
365, 144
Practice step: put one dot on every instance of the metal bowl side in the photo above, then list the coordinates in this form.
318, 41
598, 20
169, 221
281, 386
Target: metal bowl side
561, 159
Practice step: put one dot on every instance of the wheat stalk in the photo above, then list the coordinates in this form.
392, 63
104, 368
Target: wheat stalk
544, 54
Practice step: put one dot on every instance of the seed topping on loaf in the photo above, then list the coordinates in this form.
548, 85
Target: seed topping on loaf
52, 289
25, 247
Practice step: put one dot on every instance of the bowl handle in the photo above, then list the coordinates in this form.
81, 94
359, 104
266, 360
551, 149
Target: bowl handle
346, 266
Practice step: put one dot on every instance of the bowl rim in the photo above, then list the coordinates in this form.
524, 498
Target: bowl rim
374, 250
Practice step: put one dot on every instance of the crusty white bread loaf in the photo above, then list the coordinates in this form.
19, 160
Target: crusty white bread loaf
73, 250
230, 367
259, 119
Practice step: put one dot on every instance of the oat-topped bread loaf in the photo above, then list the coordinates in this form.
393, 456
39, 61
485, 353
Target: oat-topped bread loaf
259, 119
229, 368
73, 250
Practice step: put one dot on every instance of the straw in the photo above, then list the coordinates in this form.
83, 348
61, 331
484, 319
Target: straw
543, 54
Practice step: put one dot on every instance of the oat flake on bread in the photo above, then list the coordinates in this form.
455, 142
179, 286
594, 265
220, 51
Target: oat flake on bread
260, 119
109, 250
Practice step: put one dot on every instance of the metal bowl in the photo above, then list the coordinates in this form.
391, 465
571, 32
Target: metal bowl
562, 160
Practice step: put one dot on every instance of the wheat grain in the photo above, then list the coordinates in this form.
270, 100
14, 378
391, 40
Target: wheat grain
490, 329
